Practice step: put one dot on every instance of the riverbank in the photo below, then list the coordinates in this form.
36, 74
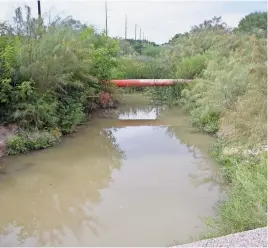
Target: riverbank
5, 133
246, 183
15, 140
49, 86
245, 207
228, 99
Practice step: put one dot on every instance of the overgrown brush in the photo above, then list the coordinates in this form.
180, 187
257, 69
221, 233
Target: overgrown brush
246, 205
228, 98
52, 76
31, 140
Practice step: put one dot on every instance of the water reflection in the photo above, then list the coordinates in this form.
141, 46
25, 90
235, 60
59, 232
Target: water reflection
115, 177
58, 191
148, 141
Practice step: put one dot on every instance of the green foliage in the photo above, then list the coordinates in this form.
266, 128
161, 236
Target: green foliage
165, 95
151, 51
254, 23
8, 57
228, 97
71, 114
246, 206
206, 119
16, 145
130, 67
6, 91
26, 141
53, 80
52, 76
39, 113
140, 45
191, 67
227, 81
215, 23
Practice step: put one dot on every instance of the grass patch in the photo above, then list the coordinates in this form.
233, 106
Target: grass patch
246, 205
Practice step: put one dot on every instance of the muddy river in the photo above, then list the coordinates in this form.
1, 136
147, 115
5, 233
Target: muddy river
136, 176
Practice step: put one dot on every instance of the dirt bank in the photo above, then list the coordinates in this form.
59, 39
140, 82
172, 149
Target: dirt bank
5, 133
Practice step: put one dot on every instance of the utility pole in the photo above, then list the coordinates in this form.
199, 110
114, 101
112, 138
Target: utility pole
135, 31
143, 35
140, 33
39, 8
126, 28
106, 19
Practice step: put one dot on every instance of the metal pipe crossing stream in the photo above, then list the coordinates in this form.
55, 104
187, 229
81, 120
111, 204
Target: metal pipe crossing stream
148, 82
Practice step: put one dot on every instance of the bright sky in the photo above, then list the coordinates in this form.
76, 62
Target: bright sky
159, 20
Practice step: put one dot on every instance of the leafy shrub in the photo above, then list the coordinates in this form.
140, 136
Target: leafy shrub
16, 144
71, 114
191, 67
26, 141
206, 119
53, 80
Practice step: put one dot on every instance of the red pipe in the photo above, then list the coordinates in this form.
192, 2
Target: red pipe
148, 82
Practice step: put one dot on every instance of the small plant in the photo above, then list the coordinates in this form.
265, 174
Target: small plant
206, 119
34, 140
16, 145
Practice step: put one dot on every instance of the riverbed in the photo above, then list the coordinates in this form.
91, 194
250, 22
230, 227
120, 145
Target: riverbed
139, 175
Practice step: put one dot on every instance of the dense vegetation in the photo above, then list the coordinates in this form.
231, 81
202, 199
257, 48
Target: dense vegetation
228, 99
52, 76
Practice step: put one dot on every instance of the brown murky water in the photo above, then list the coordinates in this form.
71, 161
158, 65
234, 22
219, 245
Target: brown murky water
116, 182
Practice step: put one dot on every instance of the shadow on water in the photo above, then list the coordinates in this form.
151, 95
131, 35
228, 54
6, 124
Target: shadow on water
138, 176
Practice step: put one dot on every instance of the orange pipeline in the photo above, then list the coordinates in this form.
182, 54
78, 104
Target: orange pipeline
148, 82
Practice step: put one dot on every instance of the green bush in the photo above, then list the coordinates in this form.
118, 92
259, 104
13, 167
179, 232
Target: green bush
70, 116
151, 51
206, 119
31, 140
51, 77
191, 67
38, 140
16, 145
